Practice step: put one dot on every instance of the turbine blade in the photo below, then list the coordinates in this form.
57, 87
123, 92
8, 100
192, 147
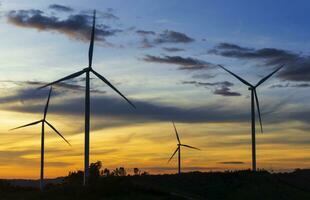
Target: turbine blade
30, 124
64, 78
265, 78
109, 84
173, 154
52, 127
48, 100
91, 45
238, 77
185, 145
258, 110
176, 133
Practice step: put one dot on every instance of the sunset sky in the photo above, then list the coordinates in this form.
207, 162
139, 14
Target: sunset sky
163, 56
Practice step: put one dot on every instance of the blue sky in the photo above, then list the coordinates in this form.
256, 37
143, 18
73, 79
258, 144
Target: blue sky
163, 55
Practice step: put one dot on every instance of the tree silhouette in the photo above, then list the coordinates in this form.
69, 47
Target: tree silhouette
106, 172
75, 178
136, 171
94, 171
119, 172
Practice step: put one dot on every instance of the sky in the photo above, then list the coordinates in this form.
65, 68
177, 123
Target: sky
164, 56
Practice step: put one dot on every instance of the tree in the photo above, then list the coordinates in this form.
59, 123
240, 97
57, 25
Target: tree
106, 172
94, 171
119, 172
145, 173
75, 178
136, 171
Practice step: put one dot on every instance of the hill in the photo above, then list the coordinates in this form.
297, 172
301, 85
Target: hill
194, 185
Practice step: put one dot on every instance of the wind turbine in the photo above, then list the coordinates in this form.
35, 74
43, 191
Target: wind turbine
254, 99
43, 121
87, 71
179, 145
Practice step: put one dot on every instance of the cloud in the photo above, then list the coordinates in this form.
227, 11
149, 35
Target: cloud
169, 36
76, 26
116, 108
297, 66
21, 156
194, 168
107, 14
203, 76
222, 88
232, 162
197, 83
173, 49
287, 85
29, 91
118, 113
144, 33
152, 39
184, 63
225, 91
61, 8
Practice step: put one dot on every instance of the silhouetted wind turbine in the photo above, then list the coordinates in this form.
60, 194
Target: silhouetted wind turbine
43, 121
254, 99
87, 71
179, 149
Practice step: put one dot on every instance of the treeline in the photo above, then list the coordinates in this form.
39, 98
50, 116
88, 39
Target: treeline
96, 171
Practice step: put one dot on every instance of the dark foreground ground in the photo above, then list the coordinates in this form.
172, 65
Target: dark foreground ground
195, 185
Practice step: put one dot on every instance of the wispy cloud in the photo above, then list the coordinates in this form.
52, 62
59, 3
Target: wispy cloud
61, 8
152, 39
296, 65
77, 26
290, 85
222, 88
187, 63
173, 49
232, 163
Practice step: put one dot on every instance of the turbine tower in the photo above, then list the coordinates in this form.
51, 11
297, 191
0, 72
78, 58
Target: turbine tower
254, 99
87, 72
43, 121
179, 145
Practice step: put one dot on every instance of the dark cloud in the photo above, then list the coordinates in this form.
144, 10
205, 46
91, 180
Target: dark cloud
225, 91
227, 46
222, 88
29, 91
184, 63
232, 162
144, 33
152, 39
169, 36
76, 26
203, 76
26, 95
62, 8
117, 108
173, 49
105, 107
197, 83
288, 85
108, 14
297, 66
